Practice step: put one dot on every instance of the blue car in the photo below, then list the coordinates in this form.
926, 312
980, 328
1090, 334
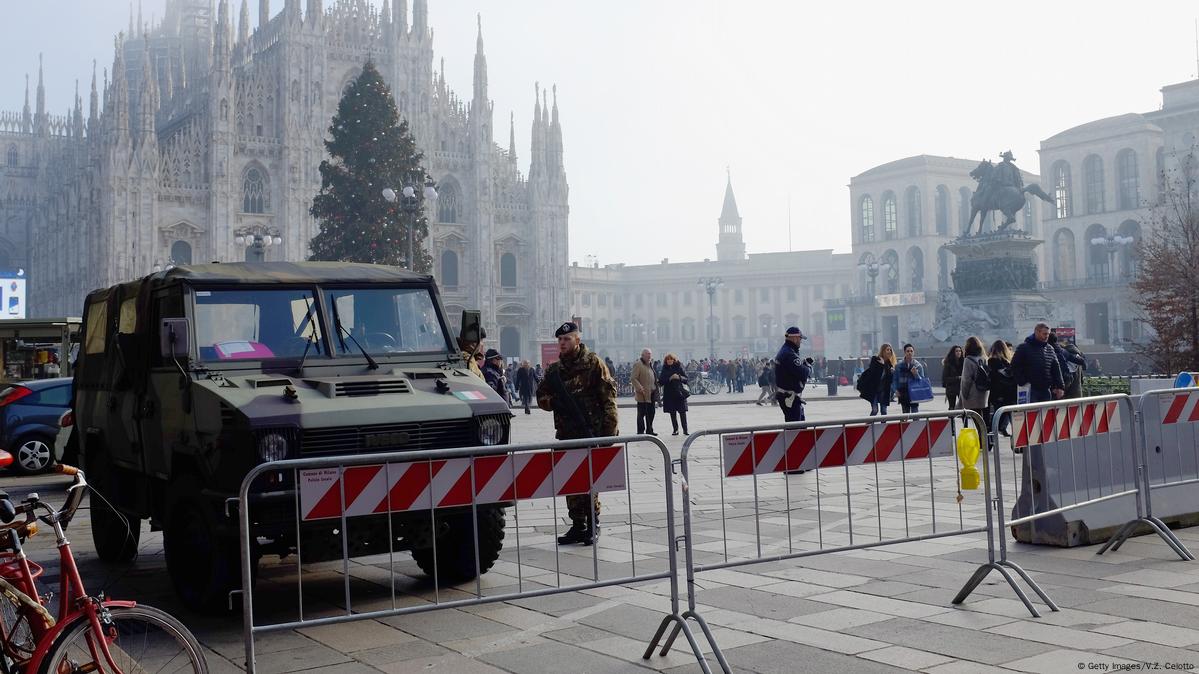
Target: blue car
29, 413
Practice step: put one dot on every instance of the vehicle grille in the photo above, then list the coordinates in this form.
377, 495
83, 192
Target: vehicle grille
352, 389
388, 437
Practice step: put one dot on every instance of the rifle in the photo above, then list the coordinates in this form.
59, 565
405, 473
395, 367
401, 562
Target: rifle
572, 406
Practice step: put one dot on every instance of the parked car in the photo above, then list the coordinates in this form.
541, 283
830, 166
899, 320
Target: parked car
29, 417
66, 425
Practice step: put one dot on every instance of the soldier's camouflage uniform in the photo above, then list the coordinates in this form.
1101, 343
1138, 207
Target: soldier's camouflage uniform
469, 357
587, 379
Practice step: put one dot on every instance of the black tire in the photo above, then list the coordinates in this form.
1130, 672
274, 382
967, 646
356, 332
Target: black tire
33, 454
142, 636
115, 534
456, 548
202, 562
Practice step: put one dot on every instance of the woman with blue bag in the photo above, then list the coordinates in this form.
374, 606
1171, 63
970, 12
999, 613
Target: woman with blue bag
909, 382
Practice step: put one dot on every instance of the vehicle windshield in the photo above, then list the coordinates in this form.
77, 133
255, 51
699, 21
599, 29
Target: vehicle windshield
257, 324
384, 320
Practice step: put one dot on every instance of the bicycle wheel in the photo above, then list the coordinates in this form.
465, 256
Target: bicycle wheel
16, 633
140, 639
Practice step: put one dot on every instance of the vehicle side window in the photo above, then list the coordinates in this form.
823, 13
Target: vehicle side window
93, 358
55, 396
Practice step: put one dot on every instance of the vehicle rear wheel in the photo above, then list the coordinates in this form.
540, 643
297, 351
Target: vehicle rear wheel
202, 563
114, 533
456, 548
33, 454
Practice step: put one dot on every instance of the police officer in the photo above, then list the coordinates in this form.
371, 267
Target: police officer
581, 393
791, 375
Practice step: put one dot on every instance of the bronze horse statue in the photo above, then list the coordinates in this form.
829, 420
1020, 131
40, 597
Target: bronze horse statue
1000, 188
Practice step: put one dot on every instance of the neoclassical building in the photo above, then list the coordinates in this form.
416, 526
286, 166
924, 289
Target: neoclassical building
667, 306
211, 127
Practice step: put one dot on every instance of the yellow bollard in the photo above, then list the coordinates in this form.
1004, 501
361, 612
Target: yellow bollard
968, 451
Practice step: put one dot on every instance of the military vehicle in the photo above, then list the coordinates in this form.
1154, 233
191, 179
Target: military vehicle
190, 377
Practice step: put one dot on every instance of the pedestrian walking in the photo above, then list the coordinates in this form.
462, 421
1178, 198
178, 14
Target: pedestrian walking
1035, 364
874, 385
976, 384
951, 375
581, 393
675, 391
764, 388
645, 387
526, 384
1003, 384
493, 373
791, 374
1070, 365
908, 370
1078, 372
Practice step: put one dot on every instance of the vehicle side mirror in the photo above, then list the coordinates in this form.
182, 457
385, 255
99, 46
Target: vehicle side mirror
472, 326
174, 338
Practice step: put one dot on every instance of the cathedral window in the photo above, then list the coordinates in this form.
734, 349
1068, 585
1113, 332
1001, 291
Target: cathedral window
12, 155
255, 196
447, 203
181, 252
449, 269
508, 270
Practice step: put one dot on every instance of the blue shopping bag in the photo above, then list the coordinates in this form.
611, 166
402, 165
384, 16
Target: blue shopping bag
920, 390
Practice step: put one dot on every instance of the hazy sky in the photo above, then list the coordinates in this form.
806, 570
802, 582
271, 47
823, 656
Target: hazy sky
657, 97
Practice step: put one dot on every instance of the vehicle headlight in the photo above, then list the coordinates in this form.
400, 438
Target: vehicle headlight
491, 431
272, 447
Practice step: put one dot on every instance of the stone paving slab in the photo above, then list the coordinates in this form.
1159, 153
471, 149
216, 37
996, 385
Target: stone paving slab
878, 609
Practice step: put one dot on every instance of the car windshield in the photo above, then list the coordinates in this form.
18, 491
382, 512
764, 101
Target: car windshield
257, 324
384, 320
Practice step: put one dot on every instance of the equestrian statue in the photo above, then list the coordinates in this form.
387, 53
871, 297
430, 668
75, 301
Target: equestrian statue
1000, 188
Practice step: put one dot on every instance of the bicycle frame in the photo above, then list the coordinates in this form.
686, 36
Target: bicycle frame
74, 604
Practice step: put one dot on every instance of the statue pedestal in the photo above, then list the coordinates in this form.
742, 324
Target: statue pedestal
995, 281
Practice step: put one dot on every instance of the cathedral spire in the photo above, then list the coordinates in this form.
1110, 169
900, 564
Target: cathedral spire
41, 89
480, 67
120, 91
555, 143
536, 141
77, 114
220, 42
146, 103
512, 137
243, 27
26, 116
130, 33
93, 109
314, 12
729, 245
401, 18
385, 16
420, 18
140, 26
264, 13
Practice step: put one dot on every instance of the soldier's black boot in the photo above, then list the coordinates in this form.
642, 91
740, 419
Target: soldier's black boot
579, 532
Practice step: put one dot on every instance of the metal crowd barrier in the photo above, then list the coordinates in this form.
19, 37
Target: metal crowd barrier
899, 454
1168, 461
341, 490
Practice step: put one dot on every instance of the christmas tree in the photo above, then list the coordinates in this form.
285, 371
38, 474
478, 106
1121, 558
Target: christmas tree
371, 151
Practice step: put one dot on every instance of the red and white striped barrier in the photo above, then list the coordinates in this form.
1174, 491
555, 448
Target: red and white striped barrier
805, 449
1183, 409
423, 485
1054, 424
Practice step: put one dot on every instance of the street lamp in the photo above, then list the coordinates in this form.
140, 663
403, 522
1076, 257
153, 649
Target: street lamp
257, 240
410, 204
710, 284
1112, 244
873, 267
159, 266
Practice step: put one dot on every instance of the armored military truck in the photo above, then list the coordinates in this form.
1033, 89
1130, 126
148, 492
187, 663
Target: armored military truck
189, 377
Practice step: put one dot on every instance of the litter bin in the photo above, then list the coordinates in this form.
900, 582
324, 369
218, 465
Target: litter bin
831, 382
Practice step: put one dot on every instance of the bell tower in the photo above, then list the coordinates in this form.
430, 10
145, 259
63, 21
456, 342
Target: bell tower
730, 245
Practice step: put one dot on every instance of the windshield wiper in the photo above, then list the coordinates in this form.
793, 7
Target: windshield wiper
370, 362
308, 323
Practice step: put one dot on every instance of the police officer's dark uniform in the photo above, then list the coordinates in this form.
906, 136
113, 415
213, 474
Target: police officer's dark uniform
791, 374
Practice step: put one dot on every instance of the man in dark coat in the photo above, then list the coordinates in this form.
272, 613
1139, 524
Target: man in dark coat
791, 375
526, 384
493, 373
581, 393
1036, 364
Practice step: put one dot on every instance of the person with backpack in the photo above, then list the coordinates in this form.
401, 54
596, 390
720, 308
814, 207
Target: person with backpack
976, 383
951, 375
1003, 383
874, 386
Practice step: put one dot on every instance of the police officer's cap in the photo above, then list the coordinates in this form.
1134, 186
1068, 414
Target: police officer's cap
565, 329
794, 332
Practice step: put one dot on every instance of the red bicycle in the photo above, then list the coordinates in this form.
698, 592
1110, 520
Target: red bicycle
90, 633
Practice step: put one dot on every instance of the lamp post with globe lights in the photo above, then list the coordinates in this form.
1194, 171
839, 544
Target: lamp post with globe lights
1112, 244
873, 268
710, 284
256, 240
410, 205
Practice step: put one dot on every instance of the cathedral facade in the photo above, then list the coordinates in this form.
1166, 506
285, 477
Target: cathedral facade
209, 131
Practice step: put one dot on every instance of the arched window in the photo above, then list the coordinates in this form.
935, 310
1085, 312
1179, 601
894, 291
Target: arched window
1128, 260
447, 202
256, 197
1092, 175
508, 270
890, 217
913, 211
1096, 252
866, 208
964, 209
1064, 256
13, 157
942, 210
1061, 190
891, 274
916, 265
449, 269
181, 252
1130, 184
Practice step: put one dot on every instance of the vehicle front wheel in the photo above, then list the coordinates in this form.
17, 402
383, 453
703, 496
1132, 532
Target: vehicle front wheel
34, 454
202, 563
456, 547
114, 533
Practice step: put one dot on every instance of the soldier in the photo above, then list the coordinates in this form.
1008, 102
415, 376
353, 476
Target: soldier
469, 350
581, 393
